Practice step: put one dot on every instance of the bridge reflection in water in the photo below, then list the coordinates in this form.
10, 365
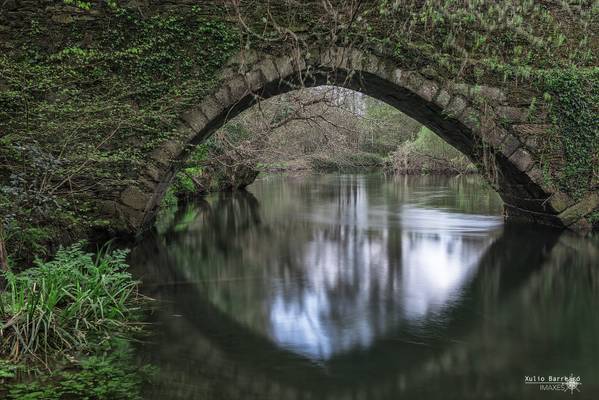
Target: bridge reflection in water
349, 287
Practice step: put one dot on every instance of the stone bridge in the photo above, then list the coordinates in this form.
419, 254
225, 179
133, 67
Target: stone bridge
495, 133
85, 49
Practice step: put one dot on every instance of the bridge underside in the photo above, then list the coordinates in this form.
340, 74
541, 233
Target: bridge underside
478, 121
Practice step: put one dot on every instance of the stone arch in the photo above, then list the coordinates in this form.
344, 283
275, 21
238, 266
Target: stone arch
479, 121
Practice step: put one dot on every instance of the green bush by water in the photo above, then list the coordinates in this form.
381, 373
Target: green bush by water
70, 320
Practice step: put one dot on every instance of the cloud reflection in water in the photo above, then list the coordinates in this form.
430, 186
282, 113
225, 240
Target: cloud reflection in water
355, 289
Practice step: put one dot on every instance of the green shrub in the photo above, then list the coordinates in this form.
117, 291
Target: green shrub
111, 373
68, 304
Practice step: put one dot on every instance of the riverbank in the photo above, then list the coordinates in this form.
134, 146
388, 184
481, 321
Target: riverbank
67, 328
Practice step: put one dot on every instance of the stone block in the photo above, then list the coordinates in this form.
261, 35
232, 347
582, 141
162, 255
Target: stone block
237, 88
371, 64
460, 88
512, 115
356, 60
509, 146
326, 58
490, 132
223, 96
211, 108
167, 151
492, 94
537, 175
413, 81
559, 201
284, 66
428, 90
135, 198
471, 118
153, 173
443, 98
133, 218
269, 70
312, 57
522, 160
342, 58
581, 209
195, 119
531, 130
397, 77
456, 106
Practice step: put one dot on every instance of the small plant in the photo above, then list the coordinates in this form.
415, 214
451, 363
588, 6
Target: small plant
67, 304
66, 328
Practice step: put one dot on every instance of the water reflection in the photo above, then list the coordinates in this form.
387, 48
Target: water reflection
336, 281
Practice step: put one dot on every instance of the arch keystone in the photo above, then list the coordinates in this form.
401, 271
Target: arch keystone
443, 98
356, 59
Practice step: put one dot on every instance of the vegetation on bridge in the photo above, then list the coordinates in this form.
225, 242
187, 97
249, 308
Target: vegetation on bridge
87, 94
89, 88
82, 104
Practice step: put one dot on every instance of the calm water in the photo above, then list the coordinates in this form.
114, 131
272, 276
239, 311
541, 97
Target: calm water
365, 287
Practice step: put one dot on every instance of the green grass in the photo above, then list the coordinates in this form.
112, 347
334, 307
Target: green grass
65, 303
66, 328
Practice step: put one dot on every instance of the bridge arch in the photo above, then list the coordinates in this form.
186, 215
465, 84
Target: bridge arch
479, 121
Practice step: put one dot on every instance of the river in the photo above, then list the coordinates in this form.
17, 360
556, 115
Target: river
366, 287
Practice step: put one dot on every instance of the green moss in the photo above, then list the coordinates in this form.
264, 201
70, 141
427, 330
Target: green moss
573, 100
80, 117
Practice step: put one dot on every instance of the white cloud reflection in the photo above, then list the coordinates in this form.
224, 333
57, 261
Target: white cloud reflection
354, 290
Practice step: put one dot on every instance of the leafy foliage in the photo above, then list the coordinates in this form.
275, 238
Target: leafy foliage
76, 310
70, 112
574, 108
111, 373
67, 303
428, 153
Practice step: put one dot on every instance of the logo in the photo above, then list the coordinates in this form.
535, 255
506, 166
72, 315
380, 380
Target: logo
555, 383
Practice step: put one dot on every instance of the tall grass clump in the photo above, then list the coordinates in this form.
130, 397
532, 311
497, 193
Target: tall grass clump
68, 305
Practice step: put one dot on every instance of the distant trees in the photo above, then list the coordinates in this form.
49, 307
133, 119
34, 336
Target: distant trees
427, 153
323, 128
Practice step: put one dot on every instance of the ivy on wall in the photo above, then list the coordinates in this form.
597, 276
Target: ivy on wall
573, 99
83, 104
